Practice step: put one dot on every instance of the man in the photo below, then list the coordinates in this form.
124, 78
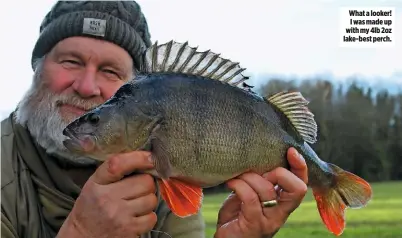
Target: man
85, 52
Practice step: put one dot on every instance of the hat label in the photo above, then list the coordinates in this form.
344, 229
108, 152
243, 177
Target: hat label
93, 26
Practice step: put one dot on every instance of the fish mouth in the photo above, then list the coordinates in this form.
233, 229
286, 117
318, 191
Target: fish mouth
80, 144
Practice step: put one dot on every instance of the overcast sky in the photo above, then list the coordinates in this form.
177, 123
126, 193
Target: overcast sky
289, 37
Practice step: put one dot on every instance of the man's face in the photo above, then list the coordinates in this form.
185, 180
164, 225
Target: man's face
77, 75
87, 68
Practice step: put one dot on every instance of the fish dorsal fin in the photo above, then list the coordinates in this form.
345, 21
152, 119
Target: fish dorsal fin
294, 106
175, 57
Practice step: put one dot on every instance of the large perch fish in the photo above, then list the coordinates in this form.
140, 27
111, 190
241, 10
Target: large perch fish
204, 128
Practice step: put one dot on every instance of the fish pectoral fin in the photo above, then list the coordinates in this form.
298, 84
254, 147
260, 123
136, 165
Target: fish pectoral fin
145, 126
183, 199
160, 156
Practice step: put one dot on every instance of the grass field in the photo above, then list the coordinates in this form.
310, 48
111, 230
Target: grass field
382, 218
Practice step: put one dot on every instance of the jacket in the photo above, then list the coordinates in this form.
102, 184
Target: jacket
37, 194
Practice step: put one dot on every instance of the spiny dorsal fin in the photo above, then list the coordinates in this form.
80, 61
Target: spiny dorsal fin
294, 106
178, 57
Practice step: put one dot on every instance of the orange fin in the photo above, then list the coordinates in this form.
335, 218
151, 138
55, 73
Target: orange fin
348, 191
182, 198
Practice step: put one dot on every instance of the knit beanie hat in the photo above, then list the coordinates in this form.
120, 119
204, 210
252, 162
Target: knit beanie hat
119, 22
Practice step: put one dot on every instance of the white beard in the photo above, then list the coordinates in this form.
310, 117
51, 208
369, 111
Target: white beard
39, 112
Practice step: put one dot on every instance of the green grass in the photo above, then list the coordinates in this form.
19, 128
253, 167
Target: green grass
382, 218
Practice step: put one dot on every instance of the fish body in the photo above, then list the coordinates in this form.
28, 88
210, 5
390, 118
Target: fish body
203, 130
206, 137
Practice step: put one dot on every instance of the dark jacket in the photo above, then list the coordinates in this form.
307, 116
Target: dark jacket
37, 194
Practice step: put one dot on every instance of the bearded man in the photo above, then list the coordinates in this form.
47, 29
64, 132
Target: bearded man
87, 50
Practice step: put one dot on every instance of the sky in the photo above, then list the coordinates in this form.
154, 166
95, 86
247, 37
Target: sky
289, 37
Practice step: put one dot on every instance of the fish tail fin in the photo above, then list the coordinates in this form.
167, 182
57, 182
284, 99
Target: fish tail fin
347, 190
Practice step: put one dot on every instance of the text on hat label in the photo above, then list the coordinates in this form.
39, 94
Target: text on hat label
93, 26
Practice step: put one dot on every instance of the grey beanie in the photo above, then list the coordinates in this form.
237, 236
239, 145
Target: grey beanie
119, 22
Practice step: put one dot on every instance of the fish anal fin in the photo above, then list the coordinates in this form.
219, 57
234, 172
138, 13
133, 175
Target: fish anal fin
294, 106
348, 191
183, 199
176, 57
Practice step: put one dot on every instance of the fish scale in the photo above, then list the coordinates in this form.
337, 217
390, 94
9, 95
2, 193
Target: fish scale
204, 126
232, 147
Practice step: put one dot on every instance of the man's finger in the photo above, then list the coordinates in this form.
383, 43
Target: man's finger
286, 180
229, 210
133, 186
297, 164
144, 223
143, 205
261, 186
117, 166
294, 189
251, 201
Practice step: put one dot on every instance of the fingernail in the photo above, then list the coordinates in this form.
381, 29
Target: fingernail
301, 158
265, 175
150, 159
296, 153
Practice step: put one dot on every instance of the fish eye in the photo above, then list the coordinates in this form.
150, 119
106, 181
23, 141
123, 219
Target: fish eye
93, 118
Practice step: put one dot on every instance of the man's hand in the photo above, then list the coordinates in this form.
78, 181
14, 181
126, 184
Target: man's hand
242, 214
110, 206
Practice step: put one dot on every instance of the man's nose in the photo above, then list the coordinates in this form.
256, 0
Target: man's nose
86, 85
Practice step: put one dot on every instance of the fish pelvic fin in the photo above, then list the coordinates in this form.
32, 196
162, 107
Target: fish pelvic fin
182, 198
176, 57
294, 106
348, 191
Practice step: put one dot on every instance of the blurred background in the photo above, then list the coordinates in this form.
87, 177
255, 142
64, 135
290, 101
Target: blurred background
355, 93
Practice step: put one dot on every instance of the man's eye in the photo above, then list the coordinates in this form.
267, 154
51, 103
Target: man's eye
74, 62
111, 72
